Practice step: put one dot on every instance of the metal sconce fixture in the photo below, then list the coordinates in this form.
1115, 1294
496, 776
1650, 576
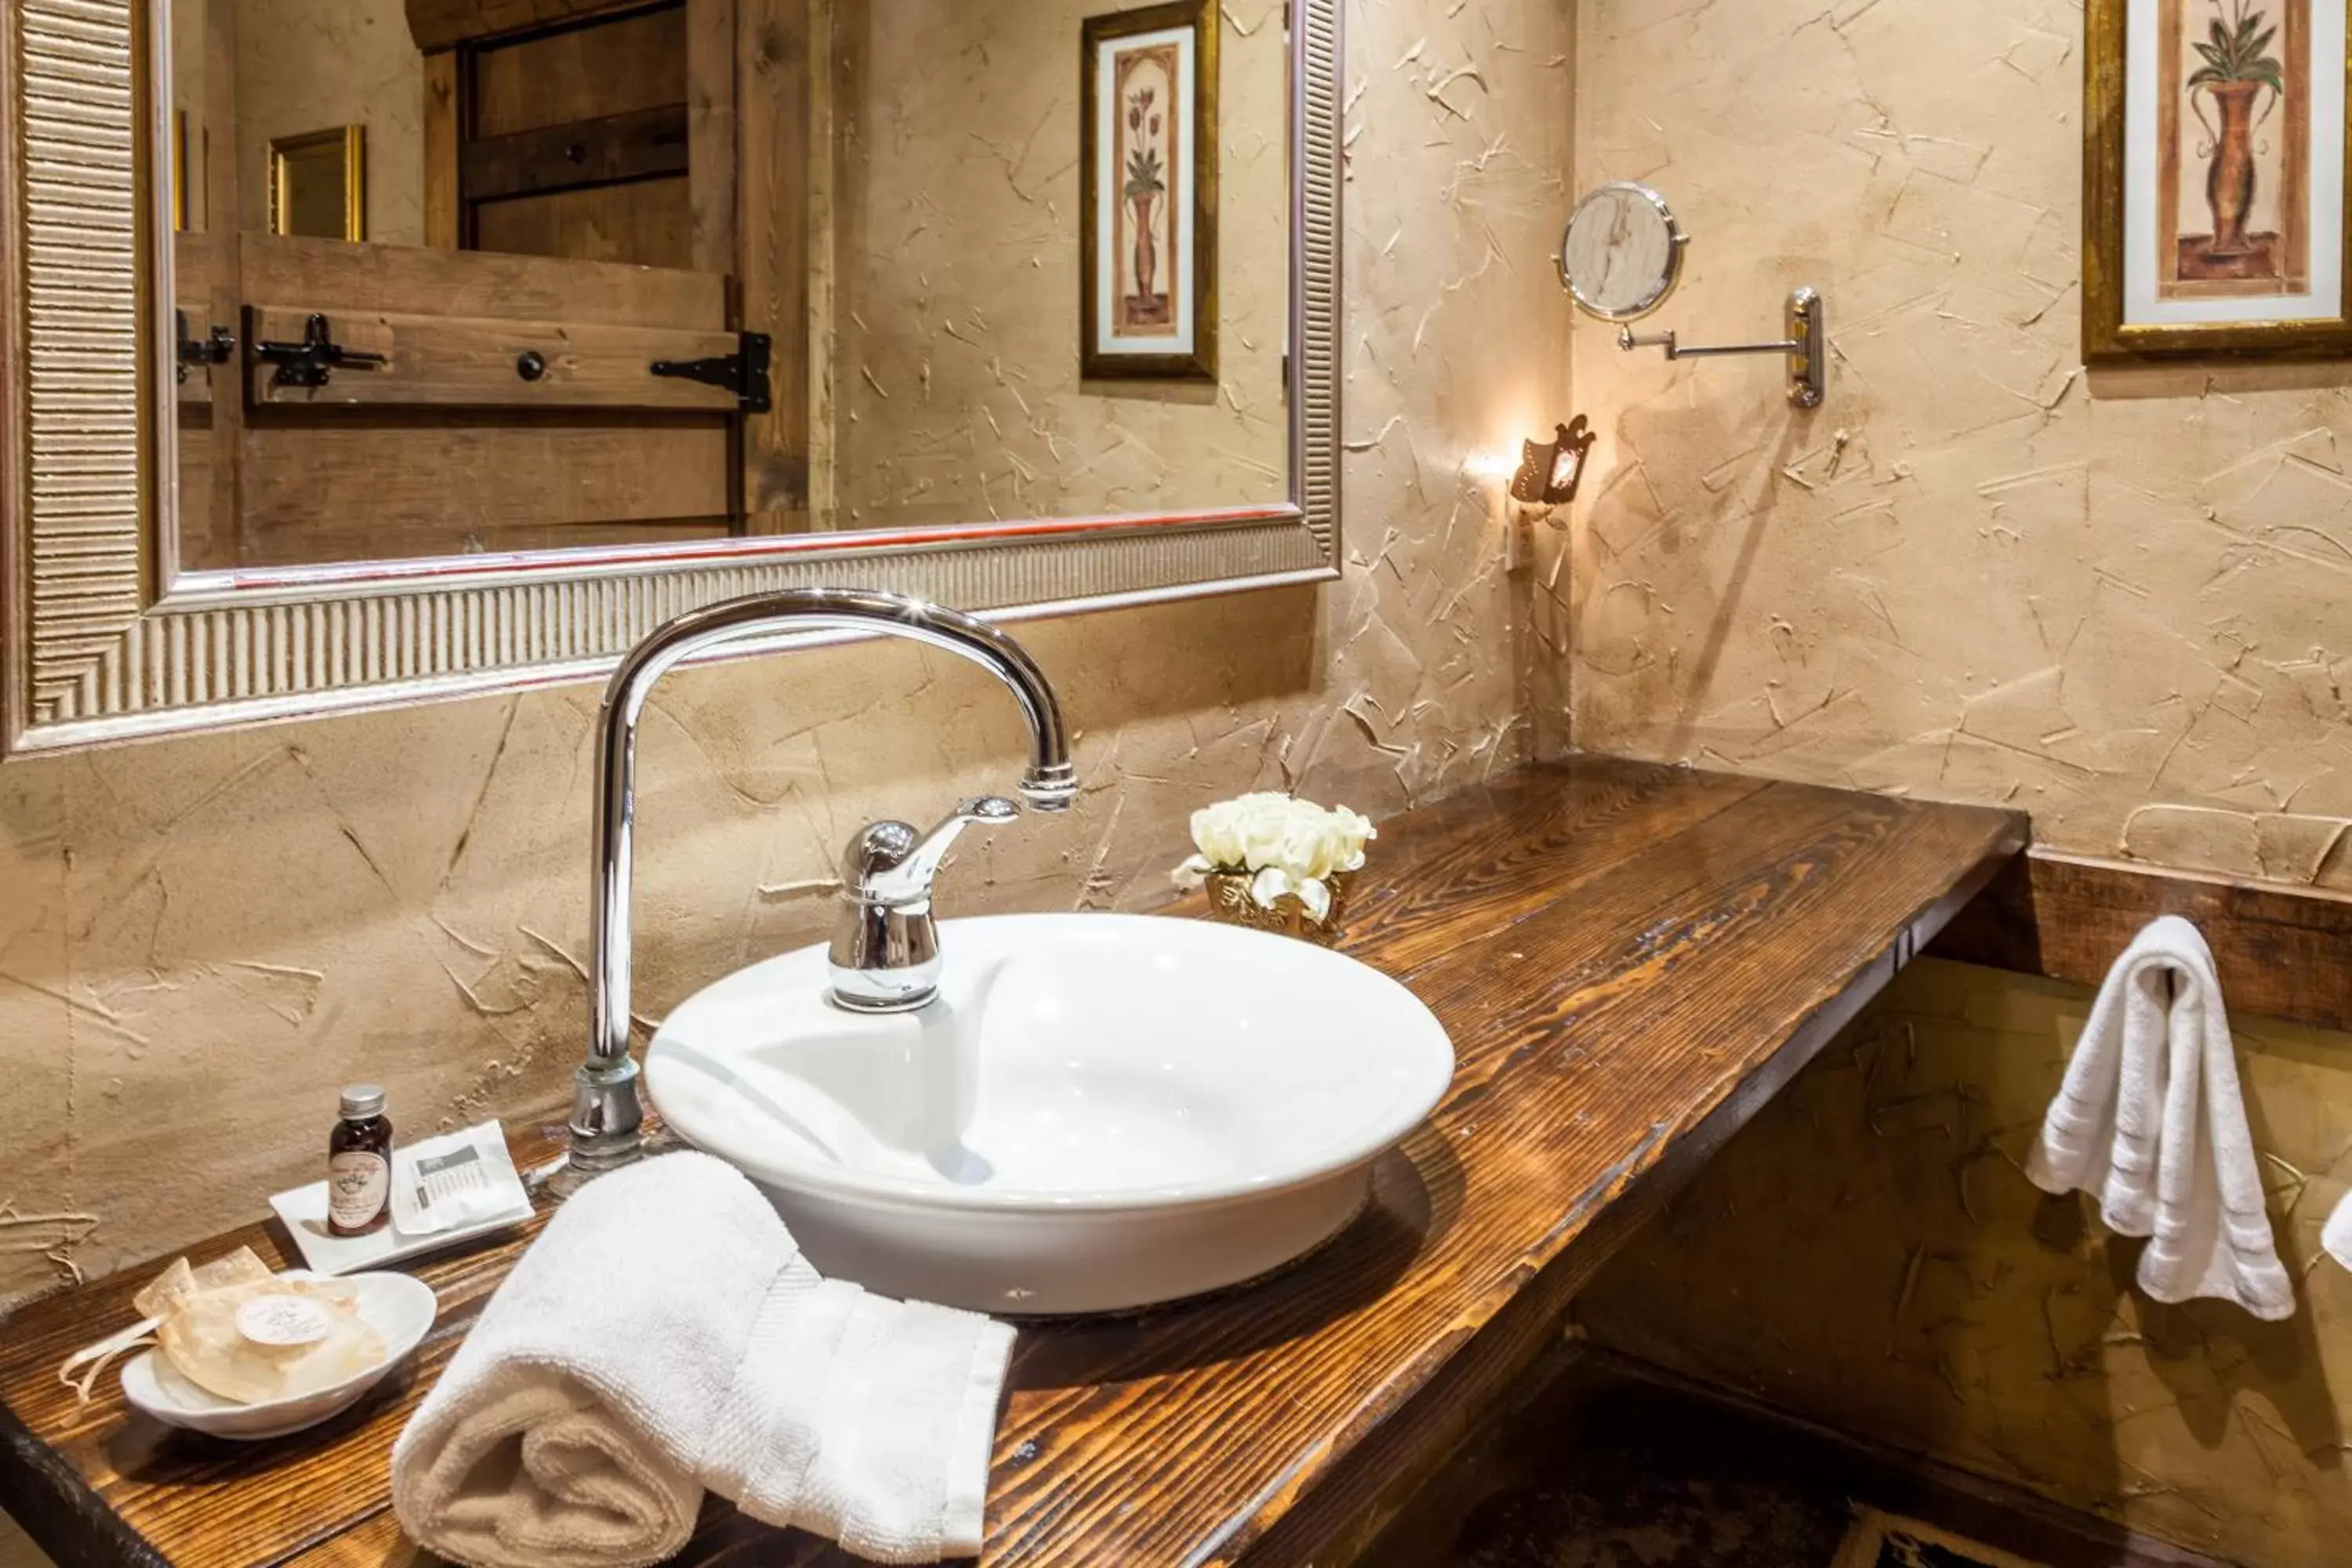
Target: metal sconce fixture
1551, 471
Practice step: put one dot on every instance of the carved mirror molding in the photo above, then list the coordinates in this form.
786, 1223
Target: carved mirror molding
102, 645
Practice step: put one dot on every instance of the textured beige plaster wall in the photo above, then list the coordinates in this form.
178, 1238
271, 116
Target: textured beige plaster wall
955, 335
2118, 602
200, 939
304, 66
1868, 1251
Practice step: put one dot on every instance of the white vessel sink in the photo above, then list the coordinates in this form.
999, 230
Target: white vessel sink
1099, 1113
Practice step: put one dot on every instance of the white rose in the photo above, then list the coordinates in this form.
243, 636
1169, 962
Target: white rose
1309, 846
1216, 833
1270, 832
1265, 827
1352, 833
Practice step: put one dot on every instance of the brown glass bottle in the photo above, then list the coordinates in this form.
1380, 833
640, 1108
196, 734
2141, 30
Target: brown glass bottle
359, 1163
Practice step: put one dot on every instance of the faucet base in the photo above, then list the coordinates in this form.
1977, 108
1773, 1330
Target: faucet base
607, 1125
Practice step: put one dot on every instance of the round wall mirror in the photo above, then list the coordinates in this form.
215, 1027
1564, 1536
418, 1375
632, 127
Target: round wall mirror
1622, 251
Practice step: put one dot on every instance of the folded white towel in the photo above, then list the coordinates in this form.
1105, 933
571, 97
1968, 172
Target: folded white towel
2150, 1118
665, 1335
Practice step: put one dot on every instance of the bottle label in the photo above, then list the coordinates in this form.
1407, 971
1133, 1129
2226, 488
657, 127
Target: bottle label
358, 1183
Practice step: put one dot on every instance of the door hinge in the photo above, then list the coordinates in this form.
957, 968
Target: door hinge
314, 361
744, 372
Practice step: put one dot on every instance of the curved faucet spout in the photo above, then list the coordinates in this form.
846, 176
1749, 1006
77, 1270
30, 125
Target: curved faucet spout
606, 1110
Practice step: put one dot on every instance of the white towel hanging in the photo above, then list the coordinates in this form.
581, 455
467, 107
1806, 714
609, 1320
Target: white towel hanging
2337, 1238
2152, 1122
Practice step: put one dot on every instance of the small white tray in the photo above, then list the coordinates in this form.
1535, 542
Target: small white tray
304, 1212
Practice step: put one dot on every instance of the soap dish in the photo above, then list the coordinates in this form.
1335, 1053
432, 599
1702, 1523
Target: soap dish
304, 1213
397, 1307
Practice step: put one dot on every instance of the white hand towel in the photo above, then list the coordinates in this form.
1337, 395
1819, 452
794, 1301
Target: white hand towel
665, 1335
2337, 1235
2151, 1120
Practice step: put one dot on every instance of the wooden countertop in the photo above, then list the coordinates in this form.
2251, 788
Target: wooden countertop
1631, 960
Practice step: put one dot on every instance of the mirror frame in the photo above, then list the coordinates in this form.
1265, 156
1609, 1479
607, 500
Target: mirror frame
104, 640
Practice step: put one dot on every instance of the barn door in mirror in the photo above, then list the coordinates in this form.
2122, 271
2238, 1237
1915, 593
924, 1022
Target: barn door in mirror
456, 346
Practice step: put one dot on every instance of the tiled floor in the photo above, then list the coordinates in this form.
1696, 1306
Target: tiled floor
1611, 1468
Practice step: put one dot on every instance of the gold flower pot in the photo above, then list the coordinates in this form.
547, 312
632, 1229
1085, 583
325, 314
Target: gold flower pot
1230, 901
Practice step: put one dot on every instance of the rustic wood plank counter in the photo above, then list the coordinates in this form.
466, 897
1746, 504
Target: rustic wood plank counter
1630, 959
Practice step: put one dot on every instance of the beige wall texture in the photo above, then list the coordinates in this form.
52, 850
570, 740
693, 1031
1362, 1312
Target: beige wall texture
1869, 1253
304, 66
955, 326
2115, 601
200, 939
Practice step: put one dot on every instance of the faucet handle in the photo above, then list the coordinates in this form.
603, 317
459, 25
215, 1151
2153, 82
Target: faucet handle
887, 863
885, 956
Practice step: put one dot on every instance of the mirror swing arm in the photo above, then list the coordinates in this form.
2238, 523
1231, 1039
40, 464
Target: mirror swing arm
1805, 347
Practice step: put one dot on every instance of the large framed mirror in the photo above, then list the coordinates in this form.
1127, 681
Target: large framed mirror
600, 310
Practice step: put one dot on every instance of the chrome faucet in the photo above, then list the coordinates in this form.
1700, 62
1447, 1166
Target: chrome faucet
885, 957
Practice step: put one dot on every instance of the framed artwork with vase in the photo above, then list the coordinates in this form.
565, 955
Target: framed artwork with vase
1148, 198
2215, 179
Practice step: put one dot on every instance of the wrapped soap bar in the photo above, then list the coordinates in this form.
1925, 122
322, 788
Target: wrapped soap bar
269, 1339
240, 1332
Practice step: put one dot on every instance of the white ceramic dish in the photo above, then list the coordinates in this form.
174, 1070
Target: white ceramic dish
399, 1307
303, 1211
1100, 1112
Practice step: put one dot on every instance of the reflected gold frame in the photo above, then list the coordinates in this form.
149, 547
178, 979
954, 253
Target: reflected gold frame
103, 639
2107, 338
1094, 363
353, 139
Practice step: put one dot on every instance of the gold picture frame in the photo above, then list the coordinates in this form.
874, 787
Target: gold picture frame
1172, 147
180, 171
318, 183
2239, 131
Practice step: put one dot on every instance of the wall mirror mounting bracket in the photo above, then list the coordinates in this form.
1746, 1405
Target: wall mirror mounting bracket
1806, 346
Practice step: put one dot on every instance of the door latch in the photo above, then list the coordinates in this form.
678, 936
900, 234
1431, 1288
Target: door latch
314, 361
744, 372
214, 348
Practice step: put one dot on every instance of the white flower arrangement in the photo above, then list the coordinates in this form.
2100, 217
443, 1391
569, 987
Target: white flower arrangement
1283, 843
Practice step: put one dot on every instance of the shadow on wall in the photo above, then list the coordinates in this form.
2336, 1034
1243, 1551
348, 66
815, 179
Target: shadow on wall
1869, 1253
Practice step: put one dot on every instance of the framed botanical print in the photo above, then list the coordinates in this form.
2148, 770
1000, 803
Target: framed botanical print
2215, 179
1148, 203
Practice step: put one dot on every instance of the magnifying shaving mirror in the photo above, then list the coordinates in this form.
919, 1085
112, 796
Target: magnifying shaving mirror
1622, 252
1622, 255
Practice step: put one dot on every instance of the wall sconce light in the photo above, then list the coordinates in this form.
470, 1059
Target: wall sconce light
1551, 470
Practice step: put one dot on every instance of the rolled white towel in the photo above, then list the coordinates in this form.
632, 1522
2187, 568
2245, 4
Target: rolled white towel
665, 1335
2152, 1120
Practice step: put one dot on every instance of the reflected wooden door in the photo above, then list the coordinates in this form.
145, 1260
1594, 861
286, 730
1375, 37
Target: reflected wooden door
560, 366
